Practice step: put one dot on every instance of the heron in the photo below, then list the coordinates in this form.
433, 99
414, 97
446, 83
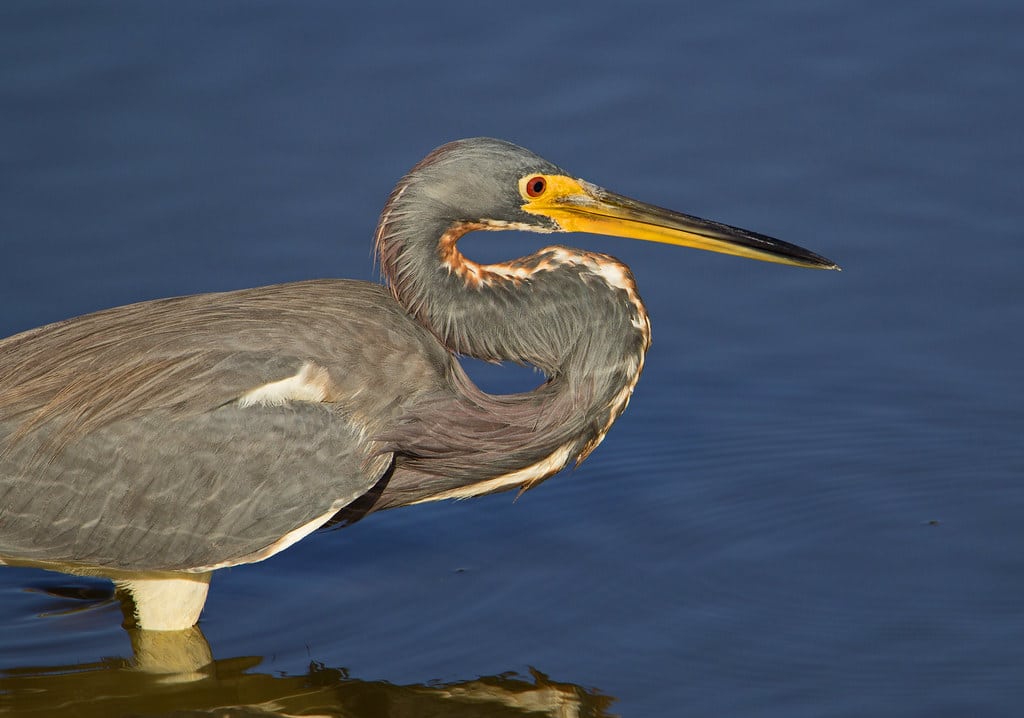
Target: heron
155, 443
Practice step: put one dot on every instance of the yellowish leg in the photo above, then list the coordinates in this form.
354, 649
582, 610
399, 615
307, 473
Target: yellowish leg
167, 602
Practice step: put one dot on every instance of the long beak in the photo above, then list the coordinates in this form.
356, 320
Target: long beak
578, 206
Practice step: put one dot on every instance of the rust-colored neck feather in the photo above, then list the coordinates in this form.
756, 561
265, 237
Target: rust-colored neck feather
575, 315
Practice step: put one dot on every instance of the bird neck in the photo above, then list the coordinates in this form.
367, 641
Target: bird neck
574, 315
562, 310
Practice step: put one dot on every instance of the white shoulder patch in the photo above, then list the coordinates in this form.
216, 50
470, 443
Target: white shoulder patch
312, 383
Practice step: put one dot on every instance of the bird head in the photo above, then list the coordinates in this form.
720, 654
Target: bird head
500, 185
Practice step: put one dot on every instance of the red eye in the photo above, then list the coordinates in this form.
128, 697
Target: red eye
535, 186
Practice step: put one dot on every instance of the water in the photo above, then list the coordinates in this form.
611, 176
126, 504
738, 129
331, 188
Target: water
812, 506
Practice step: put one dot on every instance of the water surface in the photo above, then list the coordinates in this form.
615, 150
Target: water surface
812, 506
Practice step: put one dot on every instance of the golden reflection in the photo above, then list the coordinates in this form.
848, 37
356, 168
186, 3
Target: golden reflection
230, 687
173, 673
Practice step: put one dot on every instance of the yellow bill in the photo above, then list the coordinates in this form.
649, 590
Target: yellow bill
578, 206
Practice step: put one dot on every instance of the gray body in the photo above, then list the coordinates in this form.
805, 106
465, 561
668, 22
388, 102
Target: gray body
184, 477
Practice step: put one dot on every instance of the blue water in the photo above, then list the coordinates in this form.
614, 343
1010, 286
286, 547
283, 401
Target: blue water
812, 506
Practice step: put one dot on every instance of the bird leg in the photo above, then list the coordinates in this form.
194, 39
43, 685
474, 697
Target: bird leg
168, 602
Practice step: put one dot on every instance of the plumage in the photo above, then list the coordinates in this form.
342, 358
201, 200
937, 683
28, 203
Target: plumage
102, 439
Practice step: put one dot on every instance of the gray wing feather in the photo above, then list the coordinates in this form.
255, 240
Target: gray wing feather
163, 493
198, 352
122, 444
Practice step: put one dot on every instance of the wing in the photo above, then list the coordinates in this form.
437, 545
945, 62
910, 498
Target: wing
202, 431
198, 352
158, 492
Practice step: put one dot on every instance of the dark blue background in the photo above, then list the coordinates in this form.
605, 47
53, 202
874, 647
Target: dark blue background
813, 505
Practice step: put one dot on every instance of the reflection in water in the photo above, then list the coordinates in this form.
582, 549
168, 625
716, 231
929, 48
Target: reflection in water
229, 688
173, 673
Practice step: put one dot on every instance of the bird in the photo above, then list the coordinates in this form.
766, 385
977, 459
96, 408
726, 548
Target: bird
155, 443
